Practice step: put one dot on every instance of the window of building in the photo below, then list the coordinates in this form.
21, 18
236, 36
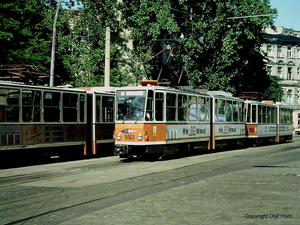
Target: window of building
279, 72
289, 73
279, 51
269, 70
269, 50
289, 96
289, 52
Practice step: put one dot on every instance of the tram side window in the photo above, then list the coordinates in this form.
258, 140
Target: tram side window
273, 115
260, 114
235, 111
10, 105
241, 112
248, 109
192, 112
159, 106
171, 107
220, 110
228, 111
202, 109
98, 108
182, 107
149, 107
107, 109
82, 108
3, 103
264, 114
70, 107
268, 114
283, 118
51, 107
286, 116
290, 111
31, 106
254, 108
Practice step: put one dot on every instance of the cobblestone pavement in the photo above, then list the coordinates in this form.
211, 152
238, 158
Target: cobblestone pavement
259, 195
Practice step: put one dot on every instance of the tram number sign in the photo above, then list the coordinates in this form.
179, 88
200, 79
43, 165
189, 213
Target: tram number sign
129, 137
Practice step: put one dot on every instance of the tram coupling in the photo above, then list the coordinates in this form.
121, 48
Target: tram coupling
122, 150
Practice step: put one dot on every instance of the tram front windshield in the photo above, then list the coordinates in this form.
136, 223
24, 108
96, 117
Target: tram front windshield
131, 105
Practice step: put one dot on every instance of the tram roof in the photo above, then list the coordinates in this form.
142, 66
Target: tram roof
99, 89
19, 85
182, 89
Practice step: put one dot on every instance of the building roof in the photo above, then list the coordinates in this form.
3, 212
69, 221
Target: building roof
282, 39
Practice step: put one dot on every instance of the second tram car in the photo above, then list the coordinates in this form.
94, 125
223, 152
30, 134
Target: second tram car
156, 120
55, 121
267, 122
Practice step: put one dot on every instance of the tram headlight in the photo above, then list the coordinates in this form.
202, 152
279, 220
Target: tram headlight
139, 137
119, 136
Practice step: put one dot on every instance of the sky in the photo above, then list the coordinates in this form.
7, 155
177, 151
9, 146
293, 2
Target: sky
285, 9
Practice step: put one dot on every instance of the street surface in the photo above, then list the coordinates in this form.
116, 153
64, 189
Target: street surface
258, 185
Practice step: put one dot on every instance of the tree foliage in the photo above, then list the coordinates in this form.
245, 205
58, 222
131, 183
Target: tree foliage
24, 33
218, 51
199, 43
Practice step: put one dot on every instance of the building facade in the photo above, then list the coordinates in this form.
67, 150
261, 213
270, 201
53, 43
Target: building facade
282, 48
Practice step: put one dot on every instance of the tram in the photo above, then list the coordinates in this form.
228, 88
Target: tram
55, 121
267, 122
157, 121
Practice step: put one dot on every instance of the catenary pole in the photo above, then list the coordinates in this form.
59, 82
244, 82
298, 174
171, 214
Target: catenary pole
107, 58
53, 45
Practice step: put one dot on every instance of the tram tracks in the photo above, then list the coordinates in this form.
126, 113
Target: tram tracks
60, 203
37, 176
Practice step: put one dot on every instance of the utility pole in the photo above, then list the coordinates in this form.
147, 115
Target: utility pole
107, 59
53, 45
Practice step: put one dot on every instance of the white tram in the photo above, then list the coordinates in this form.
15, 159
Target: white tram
228, 126
267, 122
156, 120
55, 121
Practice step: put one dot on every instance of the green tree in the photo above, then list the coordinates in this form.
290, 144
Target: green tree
82, 49
274, 91
220, 48
24, 33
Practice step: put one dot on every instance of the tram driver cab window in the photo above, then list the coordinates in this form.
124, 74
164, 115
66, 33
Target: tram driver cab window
149, 106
